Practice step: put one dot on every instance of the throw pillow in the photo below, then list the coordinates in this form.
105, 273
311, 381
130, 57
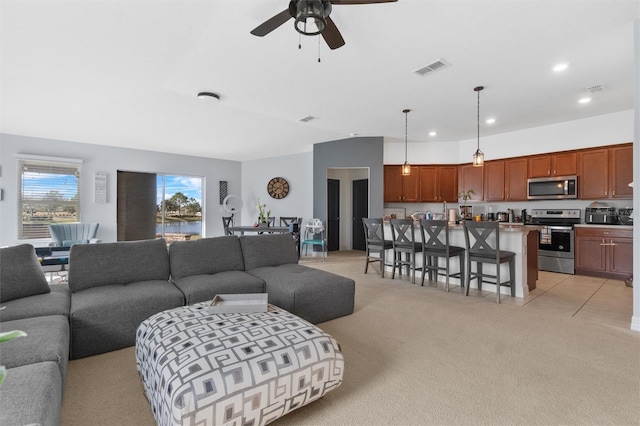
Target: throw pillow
20, 273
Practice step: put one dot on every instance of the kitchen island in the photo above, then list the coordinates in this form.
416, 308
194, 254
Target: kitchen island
516, 237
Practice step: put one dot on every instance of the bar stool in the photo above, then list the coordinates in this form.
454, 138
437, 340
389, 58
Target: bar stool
403, 237
486, 249
375, 243
435, 246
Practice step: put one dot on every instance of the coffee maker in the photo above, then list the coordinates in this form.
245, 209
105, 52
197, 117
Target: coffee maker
523, 214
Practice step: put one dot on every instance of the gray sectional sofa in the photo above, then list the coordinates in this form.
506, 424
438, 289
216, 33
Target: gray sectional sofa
113, 287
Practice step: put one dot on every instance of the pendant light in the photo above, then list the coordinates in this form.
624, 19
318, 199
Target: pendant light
478, 157
406, 167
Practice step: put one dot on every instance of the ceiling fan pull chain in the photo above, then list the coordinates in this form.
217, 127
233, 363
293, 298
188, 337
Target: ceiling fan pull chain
319, 48
299, 41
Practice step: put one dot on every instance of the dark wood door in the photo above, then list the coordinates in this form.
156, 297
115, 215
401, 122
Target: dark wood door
136, 206
333, 215
360, 205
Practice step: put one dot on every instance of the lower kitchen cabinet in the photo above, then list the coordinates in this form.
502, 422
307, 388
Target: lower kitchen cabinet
604, 252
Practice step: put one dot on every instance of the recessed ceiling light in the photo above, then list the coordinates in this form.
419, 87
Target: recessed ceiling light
432, 133
560, 67
490, 120
584, 100
209, 95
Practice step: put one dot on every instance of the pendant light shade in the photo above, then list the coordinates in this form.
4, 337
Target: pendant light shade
406, 167
478, 157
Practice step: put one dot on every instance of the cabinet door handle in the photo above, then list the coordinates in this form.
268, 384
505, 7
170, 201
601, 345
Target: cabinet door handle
612, 243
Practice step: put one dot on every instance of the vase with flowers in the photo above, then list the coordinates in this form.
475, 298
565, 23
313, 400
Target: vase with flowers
263, 214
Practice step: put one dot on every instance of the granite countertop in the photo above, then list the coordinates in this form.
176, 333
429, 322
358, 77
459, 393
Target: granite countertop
589, 225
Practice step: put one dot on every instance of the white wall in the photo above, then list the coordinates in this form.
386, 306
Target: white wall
297, 169
99, 158
608, 129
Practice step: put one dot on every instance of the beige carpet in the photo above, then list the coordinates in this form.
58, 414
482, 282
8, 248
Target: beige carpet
418, 355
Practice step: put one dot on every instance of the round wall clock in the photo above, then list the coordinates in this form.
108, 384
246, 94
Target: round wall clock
278, 188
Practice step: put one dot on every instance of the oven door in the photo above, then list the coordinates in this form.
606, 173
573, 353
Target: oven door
556, 241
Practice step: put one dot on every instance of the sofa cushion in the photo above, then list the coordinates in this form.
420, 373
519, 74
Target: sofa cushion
31, 395
93, 265
20, 273
57, 302
47, 339
201, 288
105, 318
312, 294
205, 256
268, 250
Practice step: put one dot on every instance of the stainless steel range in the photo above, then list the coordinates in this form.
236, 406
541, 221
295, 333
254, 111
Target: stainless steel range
556, 243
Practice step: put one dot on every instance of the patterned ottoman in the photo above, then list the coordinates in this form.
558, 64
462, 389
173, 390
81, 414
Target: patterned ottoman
199, 368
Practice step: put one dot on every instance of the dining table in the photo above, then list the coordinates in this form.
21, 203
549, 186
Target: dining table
258, 229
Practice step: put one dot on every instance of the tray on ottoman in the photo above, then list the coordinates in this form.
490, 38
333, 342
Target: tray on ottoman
238, 368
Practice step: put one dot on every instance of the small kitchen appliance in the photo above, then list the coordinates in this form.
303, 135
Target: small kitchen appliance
601, 215
552, 188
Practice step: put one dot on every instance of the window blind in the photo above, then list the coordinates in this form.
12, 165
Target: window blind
49, 193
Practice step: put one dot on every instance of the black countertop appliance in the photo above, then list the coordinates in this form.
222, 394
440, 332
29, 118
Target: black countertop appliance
601, 215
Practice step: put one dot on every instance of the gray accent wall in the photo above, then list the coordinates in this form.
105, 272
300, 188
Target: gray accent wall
349, 153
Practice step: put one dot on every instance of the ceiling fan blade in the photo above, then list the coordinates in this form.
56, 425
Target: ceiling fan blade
331, 35
361, 1
271, 24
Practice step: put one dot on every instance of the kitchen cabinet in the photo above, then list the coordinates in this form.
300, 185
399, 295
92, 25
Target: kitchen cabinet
605, 172
471, 178
557, 164
621, 171
494, 180
604, 251
505, 180
439, 184
515, 176
399, 188
593, 174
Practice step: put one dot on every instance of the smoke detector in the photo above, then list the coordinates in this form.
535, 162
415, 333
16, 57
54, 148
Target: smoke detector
432, 67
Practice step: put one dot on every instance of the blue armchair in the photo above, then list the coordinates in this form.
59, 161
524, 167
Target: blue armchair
68, 234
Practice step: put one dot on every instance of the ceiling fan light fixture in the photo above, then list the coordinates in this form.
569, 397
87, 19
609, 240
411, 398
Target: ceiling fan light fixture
310, 17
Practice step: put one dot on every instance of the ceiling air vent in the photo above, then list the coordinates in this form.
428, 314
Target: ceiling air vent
432, 67
307, 119
594, 90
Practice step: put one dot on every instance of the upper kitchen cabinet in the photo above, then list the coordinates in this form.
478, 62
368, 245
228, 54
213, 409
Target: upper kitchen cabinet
494, 180
505, 180
621, 171
515, 179
439, 184
605, 172
593, 174
557, 164
471, 178
399, 188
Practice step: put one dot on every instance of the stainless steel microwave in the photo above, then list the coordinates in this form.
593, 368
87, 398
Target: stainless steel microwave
552, 188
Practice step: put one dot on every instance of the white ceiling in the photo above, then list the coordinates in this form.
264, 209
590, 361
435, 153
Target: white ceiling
126, 73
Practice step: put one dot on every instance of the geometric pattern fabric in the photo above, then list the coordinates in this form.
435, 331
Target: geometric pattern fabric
248, 369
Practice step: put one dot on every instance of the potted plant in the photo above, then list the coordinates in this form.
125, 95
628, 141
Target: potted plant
263, 214
466, 211
5, 337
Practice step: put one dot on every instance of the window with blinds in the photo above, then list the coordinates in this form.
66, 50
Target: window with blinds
49, 193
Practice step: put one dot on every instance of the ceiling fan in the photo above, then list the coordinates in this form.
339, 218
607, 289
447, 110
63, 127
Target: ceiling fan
311, 18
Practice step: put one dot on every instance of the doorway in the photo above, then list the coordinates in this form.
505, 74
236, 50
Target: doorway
360, 203
333, 214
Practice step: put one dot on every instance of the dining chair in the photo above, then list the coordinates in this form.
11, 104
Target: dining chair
404, 242
435, 244
375, 243
226, 223
287, 220
486, 249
